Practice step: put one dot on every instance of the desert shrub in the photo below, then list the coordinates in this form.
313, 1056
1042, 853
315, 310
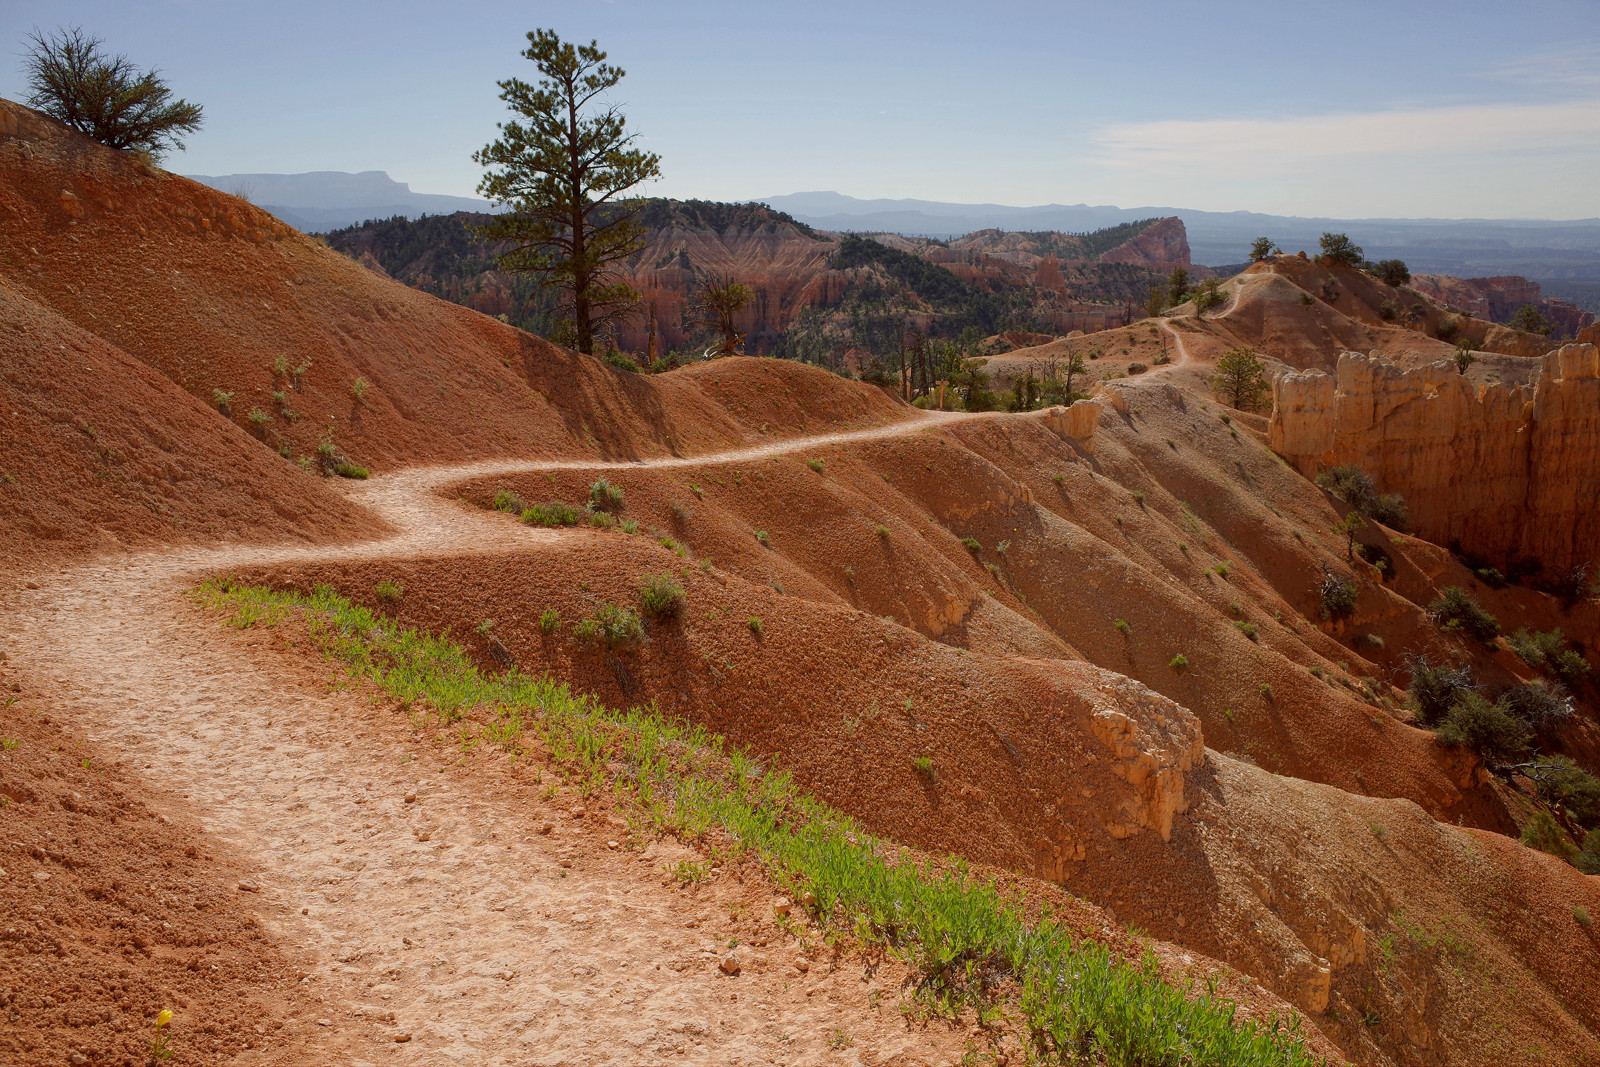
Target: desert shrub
924, 766
613, 626
1336, 596
1456, 611
1542, 706
1208, 296
661, 595
555, 513
971, 544
506, 500
1137, 368
345, 469
1248, 629
764, 538
1435, 687
1491, 729
1387, 311
1355, 487
389, 591
1307, 299
258, 417
756, 626
817, 465
1389, 509
1560, 780
1529, 319
1543, 833
602, 520
605, 496
1392, 272
358, 389
549, 620
1588, 858
1551, 653
1447, 329
223, 399
1179, 663
71, 79
613, 358
1337, 248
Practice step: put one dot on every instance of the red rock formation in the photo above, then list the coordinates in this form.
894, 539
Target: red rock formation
1498, 299
1162, 247
1507, 471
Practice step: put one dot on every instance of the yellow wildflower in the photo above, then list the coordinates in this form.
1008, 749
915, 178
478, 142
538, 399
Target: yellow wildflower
164, 1018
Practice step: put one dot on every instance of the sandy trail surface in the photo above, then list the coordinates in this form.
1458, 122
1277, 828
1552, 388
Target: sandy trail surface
444, 927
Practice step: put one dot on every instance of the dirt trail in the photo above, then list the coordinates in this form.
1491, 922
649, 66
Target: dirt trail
475, 941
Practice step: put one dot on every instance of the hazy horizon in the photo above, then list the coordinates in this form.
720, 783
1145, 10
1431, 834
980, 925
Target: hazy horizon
1363, 111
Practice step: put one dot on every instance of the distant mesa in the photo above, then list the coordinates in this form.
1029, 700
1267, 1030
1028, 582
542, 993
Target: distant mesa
328, 199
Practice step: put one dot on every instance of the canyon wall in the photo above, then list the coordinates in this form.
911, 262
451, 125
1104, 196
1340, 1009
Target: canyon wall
1507, 471
1498, 299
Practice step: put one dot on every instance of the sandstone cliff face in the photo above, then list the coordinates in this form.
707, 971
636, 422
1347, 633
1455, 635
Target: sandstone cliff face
1162, 247
1498, 299
1507, 471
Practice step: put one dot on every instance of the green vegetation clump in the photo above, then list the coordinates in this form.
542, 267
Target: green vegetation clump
816, 465
1076, 1000
1491, 729
1355, 487
1240, 379
71, 79
1543, 706
605, 496
611, 626
1339, 249
506, 500
1543, 833
661, 595
971, 544
1337, 596
549, 620
345, 469
1435, 687
1179, 663
554, 513
924, 766
389, 591
1550, 653
1561, 781
1456, 611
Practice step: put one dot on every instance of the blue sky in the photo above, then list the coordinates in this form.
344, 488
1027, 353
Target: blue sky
1463, 109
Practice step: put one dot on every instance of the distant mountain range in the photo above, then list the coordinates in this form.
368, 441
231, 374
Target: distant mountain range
330, 199
1549, 252
1534, 248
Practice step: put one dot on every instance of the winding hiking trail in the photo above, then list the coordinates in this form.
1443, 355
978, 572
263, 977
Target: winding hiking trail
444, 928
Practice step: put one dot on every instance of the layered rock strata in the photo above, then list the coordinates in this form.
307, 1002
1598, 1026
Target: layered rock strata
1506, 471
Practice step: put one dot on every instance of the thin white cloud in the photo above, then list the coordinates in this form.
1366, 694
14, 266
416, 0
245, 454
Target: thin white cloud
1286, 146
1572, 66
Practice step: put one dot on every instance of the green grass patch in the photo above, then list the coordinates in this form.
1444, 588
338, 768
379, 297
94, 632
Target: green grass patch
962, 932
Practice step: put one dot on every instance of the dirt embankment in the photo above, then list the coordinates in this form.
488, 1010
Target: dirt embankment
122, 290
883, 637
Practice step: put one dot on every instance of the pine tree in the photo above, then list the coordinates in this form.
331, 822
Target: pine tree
563, 168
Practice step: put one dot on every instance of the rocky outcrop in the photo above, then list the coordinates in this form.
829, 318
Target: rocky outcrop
1507, 471
1154, 743
1163, 247
1498, 299
1077, 421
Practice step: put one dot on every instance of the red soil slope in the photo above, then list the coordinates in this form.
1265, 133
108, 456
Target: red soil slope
100, 452
213, 294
